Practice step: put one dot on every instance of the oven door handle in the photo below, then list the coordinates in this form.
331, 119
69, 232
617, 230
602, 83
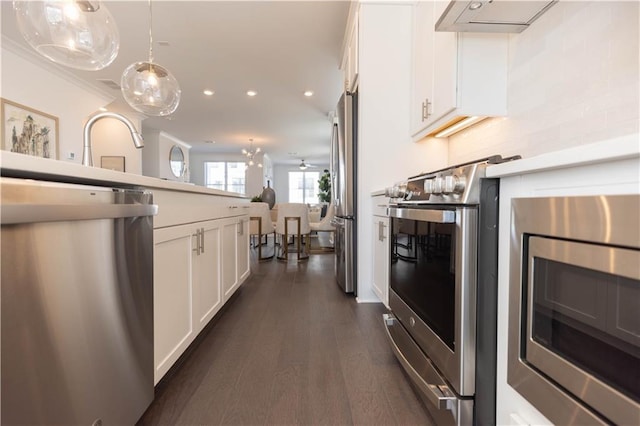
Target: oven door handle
435, 216
439, 395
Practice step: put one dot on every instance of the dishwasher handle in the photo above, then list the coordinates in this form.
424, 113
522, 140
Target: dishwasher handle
35, 213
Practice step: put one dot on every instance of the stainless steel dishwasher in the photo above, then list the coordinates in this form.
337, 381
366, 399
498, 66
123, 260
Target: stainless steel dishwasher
77, 303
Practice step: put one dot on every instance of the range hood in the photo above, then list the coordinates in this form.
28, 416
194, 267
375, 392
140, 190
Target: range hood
491, 16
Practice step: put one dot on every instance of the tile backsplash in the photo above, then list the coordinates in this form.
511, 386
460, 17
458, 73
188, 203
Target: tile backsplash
573, 79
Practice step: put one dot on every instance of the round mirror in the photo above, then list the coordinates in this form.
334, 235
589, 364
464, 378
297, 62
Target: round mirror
176, 161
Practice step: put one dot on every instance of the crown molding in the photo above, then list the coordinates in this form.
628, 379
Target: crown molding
31, 56
174, 139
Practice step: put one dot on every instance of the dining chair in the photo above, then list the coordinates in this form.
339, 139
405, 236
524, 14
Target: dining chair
261, 225
324, 225
293, 220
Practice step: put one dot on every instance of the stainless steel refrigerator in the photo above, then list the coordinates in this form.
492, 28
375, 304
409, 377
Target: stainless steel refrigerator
343, 161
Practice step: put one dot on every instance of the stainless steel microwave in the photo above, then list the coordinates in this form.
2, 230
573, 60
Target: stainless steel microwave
574, 307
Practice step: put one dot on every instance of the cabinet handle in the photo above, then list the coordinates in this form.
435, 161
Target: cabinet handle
197, 235
425, 109
201, 240
381, 227
241, 227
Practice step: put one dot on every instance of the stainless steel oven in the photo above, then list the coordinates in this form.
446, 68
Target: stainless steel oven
443, 290
574, 307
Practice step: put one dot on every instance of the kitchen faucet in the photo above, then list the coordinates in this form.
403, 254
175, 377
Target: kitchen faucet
87, 159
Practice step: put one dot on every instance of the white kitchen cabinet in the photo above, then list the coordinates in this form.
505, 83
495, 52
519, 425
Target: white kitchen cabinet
207, 292
235, 256
173, 327
454, 75
350, 54
243, 248
197, 267
381, 249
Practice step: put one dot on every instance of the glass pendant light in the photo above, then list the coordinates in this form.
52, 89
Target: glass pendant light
148, 87
77, 34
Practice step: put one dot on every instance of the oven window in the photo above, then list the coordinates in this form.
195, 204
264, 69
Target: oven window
422, 272
591, 319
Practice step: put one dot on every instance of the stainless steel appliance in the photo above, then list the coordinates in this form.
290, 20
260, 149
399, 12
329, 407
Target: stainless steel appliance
574, 307
443, 289
77, 303
343, 149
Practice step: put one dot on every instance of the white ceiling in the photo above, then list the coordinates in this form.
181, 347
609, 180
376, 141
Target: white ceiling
278, 48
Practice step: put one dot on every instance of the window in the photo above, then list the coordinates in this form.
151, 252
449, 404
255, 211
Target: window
225, 175
303, 187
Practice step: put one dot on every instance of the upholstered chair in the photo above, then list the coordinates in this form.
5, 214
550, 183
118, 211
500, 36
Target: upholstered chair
324, 225
260, 225
314, 214
293, 221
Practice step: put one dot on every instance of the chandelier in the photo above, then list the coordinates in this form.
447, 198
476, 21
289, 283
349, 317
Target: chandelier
250, 154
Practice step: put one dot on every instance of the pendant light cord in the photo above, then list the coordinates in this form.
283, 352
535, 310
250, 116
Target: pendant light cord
150, 33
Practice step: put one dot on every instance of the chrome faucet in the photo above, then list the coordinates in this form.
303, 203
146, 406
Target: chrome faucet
87, 159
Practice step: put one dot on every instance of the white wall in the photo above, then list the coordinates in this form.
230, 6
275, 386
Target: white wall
110, 137
386, 153
155, 156
280, 182
30, 82
573, 80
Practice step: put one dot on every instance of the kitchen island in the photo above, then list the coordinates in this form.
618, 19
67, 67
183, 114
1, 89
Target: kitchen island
201, 246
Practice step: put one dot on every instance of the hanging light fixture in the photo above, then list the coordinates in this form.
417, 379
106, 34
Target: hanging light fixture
250, 154
76, 34
148, 87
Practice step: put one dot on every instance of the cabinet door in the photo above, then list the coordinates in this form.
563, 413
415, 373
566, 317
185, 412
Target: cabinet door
229, 256
422, 65
352, 62
445, 71
172, 294
381, 258
243, 249
206, 275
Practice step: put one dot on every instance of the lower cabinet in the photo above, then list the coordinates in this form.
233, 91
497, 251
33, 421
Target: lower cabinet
196, 269
235, 257
381, 258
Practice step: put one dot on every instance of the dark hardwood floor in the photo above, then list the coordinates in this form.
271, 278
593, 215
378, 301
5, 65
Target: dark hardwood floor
289, 348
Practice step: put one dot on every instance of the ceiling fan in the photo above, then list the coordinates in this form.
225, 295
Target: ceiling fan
305, 166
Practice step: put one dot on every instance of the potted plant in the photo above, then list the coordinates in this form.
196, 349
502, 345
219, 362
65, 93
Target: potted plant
324, 195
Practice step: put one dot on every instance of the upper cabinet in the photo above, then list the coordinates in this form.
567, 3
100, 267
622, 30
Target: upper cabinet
350, 53
453, 75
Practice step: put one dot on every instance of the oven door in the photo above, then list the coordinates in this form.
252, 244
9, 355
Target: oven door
583, 322
433, 286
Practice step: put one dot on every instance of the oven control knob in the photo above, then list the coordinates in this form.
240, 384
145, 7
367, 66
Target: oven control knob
428, 186
408, 195
438, 184
388, 192
453, 185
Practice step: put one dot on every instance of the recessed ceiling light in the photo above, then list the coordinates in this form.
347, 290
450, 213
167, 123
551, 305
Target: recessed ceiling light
208, 92
251, 93
308, 93
102, 109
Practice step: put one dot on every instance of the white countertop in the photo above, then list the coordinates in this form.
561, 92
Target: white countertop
20, 165
599, 152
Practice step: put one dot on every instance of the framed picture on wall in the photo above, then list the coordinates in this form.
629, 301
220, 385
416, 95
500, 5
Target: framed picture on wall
112, 163
28, 131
